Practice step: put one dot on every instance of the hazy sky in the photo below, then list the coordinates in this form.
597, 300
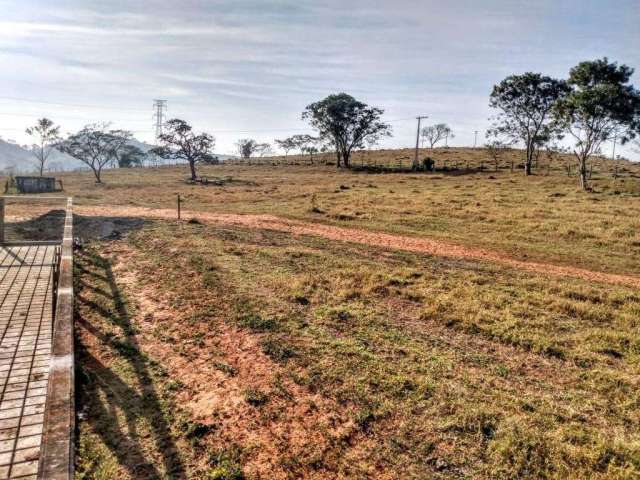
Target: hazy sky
239, 68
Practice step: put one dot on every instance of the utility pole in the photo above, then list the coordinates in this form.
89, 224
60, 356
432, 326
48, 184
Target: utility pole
159, 106
415, 160
475, 139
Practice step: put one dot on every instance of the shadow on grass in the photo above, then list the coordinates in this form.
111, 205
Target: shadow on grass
49, 226
125, 386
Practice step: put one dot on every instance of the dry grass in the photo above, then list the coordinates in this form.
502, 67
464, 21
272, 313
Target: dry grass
299, 362
542, 218
224, 351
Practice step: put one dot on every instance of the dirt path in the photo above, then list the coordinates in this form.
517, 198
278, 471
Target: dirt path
378, 239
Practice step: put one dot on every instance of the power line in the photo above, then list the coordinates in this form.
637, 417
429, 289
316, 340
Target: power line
60, 104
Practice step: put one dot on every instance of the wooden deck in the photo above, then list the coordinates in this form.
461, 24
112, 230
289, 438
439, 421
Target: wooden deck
26, 316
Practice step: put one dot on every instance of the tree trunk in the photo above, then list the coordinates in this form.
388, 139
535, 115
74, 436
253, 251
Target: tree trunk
583, 174
345, 159
192, 167
97, 172
338, 159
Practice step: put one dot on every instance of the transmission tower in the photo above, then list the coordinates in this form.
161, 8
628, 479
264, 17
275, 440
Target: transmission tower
159, 107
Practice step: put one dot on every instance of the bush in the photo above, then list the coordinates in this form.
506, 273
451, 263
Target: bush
428, 164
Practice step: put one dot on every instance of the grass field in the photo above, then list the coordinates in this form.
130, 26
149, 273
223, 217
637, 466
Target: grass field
221, 351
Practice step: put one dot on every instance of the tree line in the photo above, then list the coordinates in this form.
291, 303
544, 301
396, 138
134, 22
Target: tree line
595, 104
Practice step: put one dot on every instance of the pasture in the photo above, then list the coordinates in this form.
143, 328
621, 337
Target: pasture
302, 321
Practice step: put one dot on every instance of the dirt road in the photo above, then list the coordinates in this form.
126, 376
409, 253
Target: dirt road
379, 239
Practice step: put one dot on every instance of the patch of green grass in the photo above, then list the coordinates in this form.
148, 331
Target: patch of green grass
277, 349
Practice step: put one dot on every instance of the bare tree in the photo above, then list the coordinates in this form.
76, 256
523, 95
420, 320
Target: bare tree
286, 144
436, 133
304, 142
46, 135
179, 142
96, 146
263, 149
496, 149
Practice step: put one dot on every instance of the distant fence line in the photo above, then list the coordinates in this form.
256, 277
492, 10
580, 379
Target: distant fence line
507, 161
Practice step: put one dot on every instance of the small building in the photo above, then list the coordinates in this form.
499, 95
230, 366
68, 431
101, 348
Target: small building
36, 184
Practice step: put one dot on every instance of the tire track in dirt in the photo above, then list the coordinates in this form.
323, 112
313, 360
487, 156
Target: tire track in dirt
366, 237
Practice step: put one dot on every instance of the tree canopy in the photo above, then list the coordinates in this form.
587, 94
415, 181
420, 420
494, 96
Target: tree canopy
347, 122
601, 105
96, 146
179, 142
526, 103
248, 147
130, 156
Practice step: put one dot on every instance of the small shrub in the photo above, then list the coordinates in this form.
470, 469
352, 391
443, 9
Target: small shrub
428, 164
226, 466
275, 349
195, 431
255, 397
257, 323
225, 368
210, 279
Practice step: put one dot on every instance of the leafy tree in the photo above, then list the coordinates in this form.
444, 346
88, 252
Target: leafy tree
602, 104
526, 103
46, 135
436, 133
347, 122
130, 156
178, 142
248, 147
96, 146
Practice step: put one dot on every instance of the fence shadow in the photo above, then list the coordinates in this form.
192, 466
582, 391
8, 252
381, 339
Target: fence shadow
125, 386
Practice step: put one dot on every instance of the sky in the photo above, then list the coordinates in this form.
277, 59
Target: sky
247, 68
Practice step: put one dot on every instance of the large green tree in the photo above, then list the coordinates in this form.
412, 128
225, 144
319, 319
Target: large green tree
131, 156
602, 104
346, 122
525, 103
179, 142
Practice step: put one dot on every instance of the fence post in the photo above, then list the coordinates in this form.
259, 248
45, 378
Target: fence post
178, 206
1, 220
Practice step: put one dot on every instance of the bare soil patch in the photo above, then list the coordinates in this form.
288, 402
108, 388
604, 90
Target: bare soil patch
378, 239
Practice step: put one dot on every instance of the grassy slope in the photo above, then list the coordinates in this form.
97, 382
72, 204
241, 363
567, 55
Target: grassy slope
541, 217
